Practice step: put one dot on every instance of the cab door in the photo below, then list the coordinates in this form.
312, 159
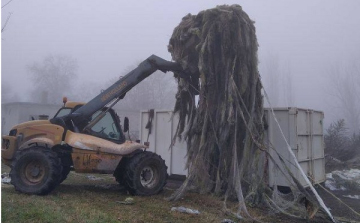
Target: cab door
91, 158
108, 127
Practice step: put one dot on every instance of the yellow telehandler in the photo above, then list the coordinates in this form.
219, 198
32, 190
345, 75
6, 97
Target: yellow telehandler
87, 138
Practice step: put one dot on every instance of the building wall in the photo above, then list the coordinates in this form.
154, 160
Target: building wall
9, 116
19, 112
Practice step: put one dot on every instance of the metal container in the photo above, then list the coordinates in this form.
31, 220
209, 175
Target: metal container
162, 132
302, 128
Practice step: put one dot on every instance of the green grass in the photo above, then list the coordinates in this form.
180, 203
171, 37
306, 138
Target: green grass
79, 199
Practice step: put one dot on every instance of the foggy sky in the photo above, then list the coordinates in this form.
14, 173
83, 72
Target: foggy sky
108, 36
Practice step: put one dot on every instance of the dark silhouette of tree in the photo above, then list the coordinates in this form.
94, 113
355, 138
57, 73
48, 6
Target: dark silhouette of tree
53, 78
7, 18
337, 140
342, 149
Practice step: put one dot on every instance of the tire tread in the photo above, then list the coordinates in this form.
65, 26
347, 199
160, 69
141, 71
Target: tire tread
54, 175
130, 177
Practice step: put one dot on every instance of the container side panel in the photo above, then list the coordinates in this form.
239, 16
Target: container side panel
178, 152
303, 122
317, 147
305, 165
303, 147
303, 128
319, 170
317, 123
163, 136
292, 131
278, 145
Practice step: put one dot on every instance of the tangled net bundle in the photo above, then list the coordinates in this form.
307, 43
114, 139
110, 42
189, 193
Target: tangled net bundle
224, 131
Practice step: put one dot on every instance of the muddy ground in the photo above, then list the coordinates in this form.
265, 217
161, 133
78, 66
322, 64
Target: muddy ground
338, 210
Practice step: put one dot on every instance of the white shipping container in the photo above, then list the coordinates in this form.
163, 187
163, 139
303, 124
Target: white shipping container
162, 132
303, 129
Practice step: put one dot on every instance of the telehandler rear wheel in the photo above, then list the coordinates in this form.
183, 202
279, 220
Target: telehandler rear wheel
145, 174
36, 170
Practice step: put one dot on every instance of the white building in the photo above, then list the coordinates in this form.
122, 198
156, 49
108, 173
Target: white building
18, 112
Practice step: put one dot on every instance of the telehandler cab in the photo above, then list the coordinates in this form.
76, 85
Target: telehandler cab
87, 138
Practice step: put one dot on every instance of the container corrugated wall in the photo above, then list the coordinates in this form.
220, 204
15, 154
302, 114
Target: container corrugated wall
303, 130
162, 132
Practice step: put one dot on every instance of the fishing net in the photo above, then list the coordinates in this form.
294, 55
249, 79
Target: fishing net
224, 131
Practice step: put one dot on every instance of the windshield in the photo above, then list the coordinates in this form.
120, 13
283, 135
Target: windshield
62, 112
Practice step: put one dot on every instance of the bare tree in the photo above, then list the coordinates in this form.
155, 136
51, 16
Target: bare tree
6, 22
345, 91
7, 18
341, 148
53, 78
3, 6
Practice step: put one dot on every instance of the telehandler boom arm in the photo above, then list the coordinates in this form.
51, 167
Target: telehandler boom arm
117, 91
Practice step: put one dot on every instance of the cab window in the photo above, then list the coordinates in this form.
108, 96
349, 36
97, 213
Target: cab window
106, 127
62, 112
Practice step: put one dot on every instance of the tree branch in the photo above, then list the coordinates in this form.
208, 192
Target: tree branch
6, 22
6, 4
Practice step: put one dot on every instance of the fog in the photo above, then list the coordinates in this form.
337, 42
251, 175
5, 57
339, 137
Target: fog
307, 39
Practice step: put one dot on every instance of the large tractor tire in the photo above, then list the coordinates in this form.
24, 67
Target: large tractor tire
145, 174
36, 170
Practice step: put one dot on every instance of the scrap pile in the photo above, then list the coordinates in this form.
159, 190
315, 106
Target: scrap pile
224, 131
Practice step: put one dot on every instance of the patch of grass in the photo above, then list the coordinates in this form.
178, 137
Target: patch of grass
80, 199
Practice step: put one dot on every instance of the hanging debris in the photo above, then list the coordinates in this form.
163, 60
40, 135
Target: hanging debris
224, 131
219, 48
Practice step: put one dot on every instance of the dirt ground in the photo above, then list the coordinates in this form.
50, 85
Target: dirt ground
339, 210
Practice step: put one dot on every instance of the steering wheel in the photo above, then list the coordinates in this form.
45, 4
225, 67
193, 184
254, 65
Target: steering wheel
112, 135
99, 133
102, 130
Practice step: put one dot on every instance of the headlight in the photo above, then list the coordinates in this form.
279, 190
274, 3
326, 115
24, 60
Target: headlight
12, 132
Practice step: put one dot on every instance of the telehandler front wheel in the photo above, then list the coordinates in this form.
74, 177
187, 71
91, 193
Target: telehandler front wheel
145, 174
36, 170
64, 173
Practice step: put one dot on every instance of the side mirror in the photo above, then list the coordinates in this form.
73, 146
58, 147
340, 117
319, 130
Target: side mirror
126, 124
